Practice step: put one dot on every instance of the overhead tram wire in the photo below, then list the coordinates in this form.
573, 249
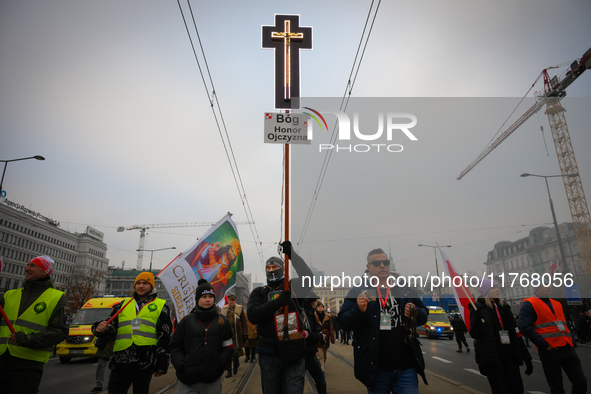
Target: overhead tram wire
226, 144
245, 202
344, 103
343, 107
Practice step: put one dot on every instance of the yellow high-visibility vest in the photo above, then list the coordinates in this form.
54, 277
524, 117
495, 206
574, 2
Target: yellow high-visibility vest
35, 319
146, 335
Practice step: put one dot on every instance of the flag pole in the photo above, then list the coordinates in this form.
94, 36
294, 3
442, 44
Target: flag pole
118, 312
7, 320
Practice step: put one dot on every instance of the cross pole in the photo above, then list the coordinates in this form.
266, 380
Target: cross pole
286, 34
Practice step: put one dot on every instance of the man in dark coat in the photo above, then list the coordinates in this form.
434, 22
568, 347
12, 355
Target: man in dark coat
460, 330
281, 365
387, 351
239, 323
201, 346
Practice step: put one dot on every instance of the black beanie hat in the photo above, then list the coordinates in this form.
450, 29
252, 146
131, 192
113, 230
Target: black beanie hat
203, 288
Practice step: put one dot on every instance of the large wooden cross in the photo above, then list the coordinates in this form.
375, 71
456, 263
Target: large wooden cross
286, 34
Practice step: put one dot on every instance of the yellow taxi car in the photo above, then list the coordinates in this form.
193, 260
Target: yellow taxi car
437, 325
80, 341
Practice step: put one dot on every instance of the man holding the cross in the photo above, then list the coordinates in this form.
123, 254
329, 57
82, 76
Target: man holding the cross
37, 314
142, 330
283, 367
387, 352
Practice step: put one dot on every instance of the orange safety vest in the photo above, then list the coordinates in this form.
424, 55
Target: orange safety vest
546, 325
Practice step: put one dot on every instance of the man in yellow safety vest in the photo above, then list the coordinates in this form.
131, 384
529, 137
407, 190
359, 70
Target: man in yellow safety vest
142, 335
37, 312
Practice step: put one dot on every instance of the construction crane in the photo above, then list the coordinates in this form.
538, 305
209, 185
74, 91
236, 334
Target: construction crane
143, 227
554, 91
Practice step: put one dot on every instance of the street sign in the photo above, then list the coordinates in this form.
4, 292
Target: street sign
573, 295
283, 128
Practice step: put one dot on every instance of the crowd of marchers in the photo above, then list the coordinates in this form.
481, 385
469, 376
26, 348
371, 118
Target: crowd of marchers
288, 330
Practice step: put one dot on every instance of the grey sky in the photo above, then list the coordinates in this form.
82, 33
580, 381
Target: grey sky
110, 94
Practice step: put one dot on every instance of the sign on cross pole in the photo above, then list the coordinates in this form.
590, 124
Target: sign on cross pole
283, 37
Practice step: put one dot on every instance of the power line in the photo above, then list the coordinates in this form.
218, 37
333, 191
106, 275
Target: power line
213, 98
344, 103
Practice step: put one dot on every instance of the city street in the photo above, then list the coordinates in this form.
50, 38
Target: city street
441, 358
78, 376
444, 365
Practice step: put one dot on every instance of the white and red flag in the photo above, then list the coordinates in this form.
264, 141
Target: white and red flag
553, 267
461, 292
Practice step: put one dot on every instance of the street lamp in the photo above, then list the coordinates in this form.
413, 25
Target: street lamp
562, 255
435, 254
8, 161
152, 253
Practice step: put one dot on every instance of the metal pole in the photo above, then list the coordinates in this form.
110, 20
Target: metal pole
560, 248
2, 181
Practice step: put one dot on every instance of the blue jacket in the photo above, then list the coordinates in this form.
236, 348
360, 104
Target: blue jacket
366, 330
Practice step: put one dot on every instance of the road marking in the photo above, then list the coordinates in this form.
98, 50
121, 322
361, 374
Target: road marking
474, 372
443, 360
538, 361
536, 392
424, 352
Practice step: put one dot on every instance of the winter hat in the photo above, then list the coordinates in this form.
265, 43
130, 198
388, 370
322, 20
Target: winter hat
277, 274
45, 263
485, 286
203, 288
147, 276
232, 297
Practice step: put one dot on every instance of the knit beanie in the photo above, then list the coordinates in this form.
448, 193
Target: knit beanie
45, 263
147, 276
278, 274
203, 288
485, 286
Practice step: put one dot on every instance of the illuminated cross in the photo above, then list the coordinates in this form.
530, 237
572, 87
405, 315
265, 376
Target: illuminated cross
286, 34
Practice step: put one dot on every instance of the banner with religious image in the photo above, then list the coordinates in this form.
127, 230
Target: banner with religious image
216, 257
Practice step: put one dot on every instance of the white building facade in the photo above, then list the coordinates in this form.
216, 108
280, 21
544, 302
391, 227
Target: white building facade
25, 234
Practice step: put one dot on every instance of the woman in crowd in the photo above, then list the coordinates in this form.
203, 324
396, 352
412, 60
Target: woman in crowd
498, 345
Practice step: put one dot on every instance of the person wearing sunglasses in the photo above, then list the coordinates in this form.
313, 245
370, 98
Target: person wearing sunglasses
384, 317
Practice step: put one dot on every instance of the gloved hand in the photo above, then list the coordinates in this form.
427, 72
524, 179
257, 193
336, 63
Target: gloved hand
23, 339
245, 337
529, 367
286, 248
283, 299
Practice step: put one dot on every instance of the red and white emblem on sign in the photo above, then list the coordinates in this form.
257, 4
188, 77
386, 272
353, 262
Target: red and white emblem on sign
268, 116
305, 124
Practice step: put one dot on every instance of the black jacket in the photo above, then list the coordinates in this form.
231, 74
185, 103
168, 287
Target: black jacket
195, 361
261, 309
366, 330
458, 325
484, 328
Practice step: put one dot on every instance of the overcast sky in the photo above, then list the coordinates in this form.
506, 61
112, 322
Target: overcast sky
110, 93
